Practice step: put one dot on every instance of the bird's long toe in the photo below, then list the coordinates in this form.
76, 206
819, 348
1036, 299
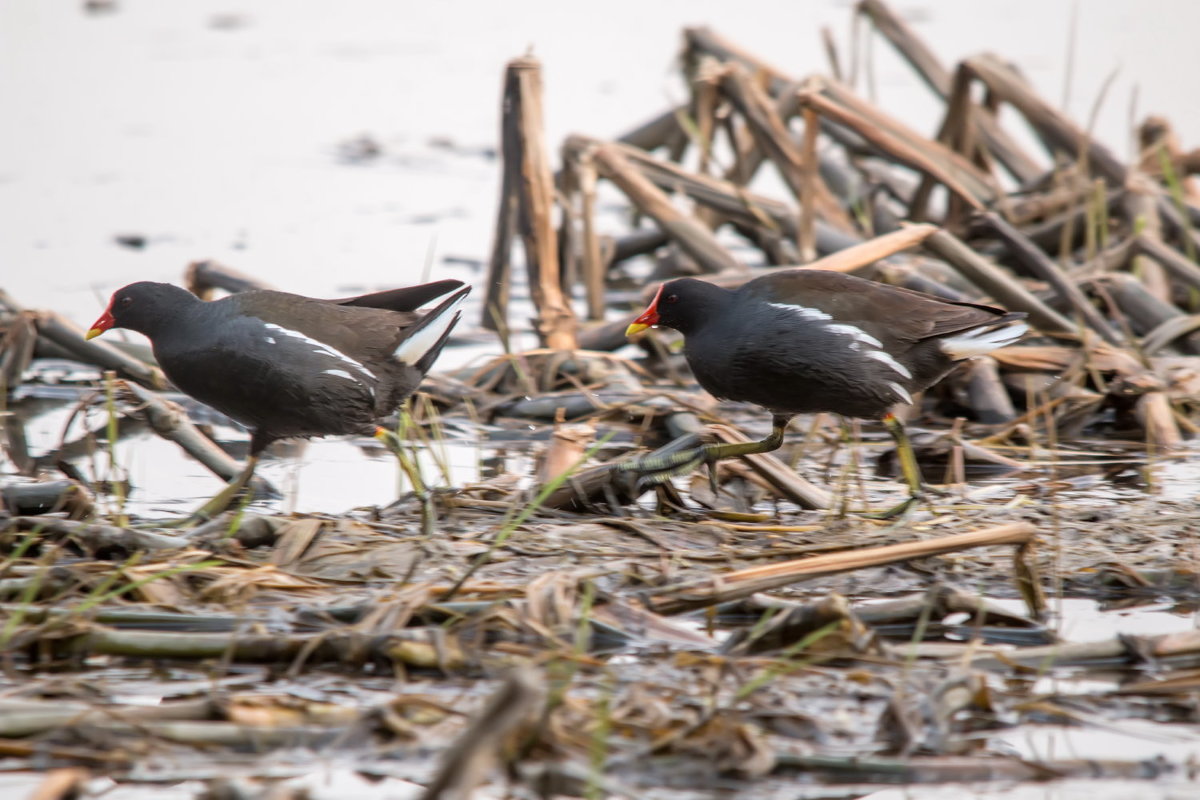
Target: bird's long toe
654, 470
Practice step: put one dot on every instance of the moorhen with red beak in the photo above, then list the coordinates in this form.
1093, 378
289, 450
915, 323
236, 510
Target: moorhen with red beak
285, 365
803, 341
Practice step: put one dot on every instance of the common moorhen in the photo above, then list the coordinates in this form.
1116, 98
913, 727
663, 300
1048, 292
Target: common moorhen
802, 341
285, 365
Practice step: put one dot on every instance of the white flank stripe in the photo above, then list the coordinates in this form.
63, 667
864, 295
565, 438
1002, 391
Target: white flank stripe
858, 333
804, 311
978, 342
341, 373
270, 340
321, 347
901, 392
817, 314
412, 349
886, 358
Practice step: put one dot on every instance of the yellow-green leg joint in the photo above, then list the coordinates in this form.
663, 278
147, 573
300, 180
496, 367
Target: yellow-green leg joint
908, 468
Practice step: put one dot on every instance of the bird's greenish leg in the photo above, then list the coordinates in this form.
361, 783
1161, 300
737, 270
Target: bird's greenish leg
223, 499
908, 468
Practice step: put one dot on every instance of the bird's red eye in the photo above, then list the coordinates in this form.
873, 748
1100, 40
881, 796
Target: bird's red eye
671, 298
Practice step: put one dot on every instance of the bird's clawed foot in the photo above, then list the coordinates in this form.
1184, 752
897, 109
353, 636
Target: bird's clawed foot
659, 467
653, 470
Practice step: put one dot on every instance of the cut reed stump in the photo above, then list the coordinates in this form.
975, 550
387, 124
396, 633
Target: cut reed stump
527, 206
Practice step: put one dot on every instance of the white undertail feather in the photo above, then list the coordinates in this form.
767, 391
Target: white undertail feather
414, 348
982, 340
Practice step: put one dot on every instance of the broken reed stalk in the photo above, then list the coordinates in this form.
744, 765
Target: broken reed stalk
1158, 322
860, 255
704, 40
595, 266
749, 157
693, 237
810, 181
69, 497
27, 718
724, 196
1174, 262
1141, 210
62, 782
96, 537
69, 336
171, 422
774, 139
202, 277
849, 259
705, 103
956, 133
743, 583
656, 132
1180, 224
1044, 268
1004, 289
524, 140
925, 160
18, 340
519, 699
1156, 417
974, 180
494, 314
1056, 130
994, 139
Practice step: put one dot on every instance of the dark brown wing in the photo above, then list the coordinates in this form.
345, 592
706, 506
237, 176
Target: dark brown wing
362, 333
884, 311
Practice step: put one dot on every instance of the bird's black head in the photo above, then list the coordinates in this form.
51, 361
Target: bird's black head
683, 304
144, 307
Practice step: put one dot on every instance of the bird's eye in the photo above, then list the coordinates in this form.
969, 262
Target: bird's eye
671, 298
126, 302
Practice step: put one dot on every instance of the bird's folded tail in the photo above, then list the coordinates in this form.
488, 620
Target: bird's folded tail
424, 341
407, 298
985, 338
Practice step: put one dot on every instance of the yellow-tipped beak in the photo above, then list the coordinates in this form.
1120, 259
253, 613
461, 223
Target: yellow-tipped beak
648, 317
105, 322
634, 329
